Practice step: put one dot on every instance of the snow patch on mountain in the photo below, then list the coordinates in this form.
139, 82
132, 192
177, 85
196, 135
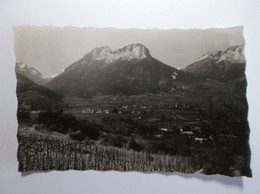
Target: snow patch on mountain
55, 75
101, 53
32, 73
233, 54
210, 55
22, 66
174, 75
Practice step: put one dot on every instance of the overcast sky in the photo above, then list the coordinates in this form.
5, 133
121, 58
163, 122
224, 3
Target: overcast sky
51, 49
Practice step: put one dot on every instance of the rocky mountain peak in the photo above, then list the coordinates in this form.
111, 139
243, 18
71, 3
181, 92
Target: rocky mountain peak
100, 53
220, 65
127, 53
233, 54
31, 73
137, 51
129, 70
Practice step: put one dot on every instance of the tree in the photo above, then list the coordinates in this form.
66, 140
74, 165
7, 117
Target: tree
23, 115
133, 145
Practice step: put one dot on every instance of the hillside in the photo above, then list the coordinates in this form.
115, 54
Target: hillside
220, 65
129, 71
35, 97
31, 73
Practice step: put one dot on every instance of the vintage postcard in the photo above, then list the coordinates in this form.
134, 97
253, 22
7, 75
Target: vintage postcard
132, 100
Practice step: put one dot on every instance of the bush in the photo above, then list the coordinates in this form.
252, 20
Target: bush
133, 145
90, 130
23, 115
57, 120
64, 123
77, 135
114, 140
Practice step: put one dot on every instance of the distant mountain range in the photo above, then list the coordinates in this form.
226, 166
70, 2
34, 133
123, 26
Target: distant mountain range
132, 70
31, 73
37, 97
220, 65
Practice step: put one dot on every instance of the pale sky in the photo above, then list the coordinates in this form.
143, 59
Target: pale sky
51, 49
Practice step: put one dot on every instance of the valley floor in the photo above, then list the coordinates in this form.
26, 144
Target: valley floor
144, 133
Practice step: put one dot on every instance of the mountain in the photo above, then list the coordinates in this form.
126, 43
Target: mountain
35, 96
220, 65
31, 73
129, 70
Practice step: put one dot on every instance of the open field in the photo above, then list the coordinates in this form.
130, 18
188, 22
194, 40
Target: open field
156, 110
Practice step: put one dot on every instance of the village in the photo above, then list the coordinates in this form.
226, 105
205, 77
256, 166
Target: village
169, 118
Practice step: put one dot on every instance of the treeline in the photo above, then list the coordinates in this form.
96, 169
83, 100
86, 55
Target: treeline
78, 129
137, 137
228, 127
30, 87
67, 123
33, 97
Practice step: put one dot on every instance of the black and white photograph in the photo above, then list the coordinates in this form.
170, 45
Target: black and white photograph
150, 100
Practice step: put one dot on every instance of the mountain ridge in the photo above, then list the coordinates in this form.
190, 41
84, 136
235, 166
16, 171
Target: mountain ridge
221, 65
129, 70
132, 70
31, 73
36, 96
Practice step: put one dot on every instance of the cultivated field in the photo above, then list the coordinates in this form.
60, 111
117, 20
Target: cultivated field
46, 151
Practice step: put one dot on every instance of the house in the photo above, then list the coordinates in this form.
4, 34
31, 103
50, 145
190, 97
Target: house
87, 111
174, 75
164, 129
106, 111
144, 106
200, 138
178, 106
187, 132
35, 112
26, 106
99, 111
